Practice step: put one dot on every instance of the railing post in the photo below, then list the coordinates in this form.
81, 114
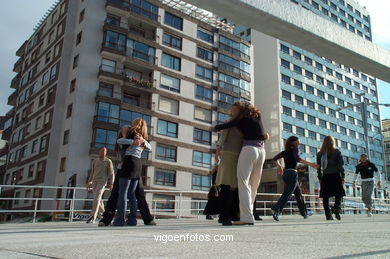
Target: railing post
265, 208
72, 206
180, 199
35, 210
154, 209
197, 209
291, 212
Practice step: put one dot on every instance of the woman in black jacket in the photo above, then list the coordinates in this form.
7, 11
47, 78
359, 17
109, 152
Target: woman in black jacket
331, 176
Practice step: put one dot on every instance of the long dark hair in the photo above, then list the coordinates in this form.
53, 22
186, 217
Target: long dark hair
289, 142
241, 107
250, 111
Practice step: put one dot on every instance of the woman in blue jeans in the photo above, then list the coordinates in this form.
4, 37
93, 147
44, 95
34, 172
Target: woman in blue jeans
291, 159
131, 170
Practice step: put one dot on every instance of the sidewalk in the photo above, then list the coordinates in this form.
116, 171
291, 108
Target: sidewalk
292, 237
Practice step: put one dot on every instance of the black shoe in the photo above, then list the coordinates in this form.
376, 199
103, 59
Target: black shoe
306, 216
151, 223
226, 223
275, 215
220, 220
209, 217
337, 215
89, 220
329, 217
257, 217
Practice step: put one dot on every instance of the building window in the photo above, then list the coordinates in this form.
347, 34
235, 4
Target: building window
309, 89
299, 99
311, 119
312, 135
286, 94
105, 90
43, 144
108, 112
165, 177
167, 153
202, 114
204, 73
225, 101
81, 16
204, 54
113, 20
171, 62
299, 115
115, 40
298, 84
300, 131
79, 37
201, 182
202, 136
287, 111
201, 159
309, 75
131, 99
287, 127
31, 169
105, 138
141, 51
205, 35
170, 83
286, 79
144, 8
62, 164
45, 78
69, 111
167, 128
168, 105
198, 206
297, 69
65, 140
222, 117
75, 61
128, 116
173, 21
284, 49
72, 86
203, 93
172, 41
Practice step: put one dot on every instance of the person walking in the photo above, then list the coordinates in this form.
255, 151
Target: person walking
331, 176
212, 206
291, 158
112, 201
251, 159
366, 169
228, 150
131, 170
102, 174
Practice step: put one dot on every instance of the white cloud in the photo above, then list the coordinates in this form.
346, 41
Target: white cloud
380, 20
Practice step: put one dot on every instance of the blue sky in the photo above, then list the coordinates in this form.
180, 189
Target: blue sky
24, 19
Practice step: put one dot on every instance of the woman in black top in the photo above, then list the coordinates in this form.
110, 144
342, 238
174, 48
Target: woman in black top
331, 176
251, 159
291, 159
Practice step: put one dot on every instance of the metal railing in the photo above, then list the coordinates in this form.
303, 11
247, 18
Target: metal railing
179, 207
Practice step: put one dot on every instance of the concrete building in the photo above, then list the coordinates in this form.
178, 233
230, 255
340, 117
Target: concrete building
94, 65
299, 94
386, 144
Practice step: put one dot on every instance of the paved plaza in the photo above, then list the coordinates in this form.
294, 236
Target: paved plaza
356, 236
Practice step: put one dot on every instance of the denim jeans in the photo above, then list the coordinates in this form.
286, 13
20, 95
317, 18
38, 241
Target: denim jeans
290, 178
127, 189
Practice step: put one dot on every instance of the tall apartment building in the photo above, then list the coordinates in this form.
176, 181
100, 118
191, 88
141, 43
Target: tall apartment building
386, 145
92, 66
299, 94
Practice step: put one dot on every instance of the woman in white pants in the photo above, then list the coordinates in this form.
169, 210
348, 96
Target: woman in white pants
367, 170
251, 159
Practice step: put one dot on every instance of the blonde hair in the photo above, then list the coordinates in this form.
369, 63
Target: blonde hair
139, 126
328, 145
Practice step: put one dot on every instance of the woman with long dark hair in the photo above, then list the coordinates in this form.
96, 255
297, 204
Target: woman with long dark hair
251, 159
131, 170
291, 158
331, 175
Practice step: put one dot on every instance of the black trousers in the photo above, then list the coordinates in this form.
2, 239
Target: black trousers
290, 178
229, 204
336, 207
112, 202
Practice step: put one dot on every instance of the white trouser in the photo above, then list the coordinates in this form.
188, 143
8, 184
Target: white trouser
249, 170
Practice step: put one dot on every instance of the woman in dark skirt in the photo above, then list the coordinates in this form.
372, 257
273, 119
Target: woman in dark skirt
331, 175
212, 206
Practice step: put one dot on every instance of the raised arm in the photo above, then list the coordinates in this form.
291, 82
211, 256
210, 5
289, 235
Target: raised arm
147, 145
300, 160
226, 125
125, 141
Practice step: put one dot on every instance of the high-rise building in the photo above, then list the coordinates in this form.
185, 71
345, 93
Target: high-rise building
92, 66
300, 93
386, 145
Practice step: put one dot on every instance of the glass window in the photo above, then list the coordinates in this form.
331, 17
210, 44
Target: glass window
286, 94
171, 62
170, 83
201, 159
204, 54
287, 127
168, 105
225, 101
172, 41
298, 84
115, 40
105, 90
108, 112
105, 138
205, 35
141, 51
287, 111
286, 79
299, 99
202, 136
164, 177
202, 114
309, 74
204, 73
128, 116
201, 182
203, 93
300, 131
284, 49
167, 153
173, 20
222, 117
285, 64
144, 8
167, 128
299, 115
311, 119
164, 203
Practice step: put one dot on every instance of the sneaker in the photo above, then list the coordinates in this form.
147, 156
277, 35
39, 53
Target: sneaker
369, 214
275, 215
257, 217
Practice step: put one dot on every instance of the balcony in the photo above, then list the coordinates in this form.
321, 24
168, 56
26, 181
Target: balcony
16, 81
234, 51
141, 56
235, 89
120, 74
233, 69
136, 28
12, 98
125, 6
18, 65
21, 50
